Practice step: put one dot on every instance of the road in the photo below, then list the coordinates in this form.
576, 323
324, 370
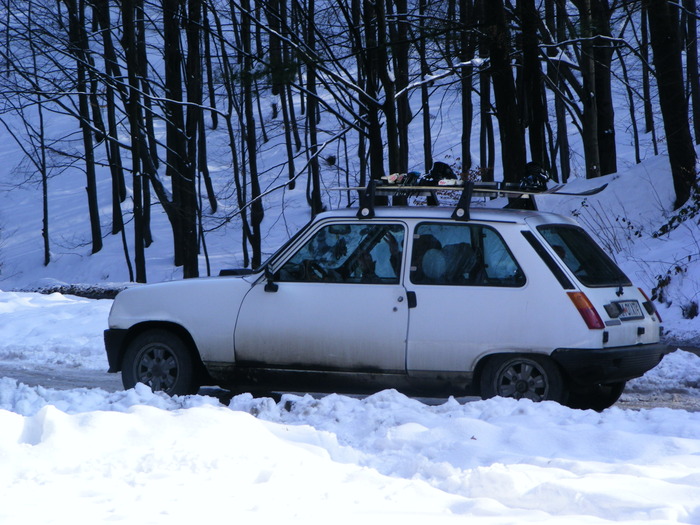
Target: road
61, 378
69, 378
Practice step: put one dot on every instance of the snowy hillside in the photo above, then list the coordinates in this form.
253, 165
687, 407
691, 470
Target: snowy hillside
77, 455
623, 217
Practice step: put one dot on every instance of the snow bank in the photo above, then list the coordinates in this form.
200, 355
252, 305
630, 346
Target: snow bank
678, 372
28, 401
53, 329
150, 460
86, 456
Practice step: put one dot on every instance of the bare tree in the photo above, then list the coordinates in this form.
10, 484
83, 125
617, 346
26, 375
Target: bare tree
80, 49
663, 29
691, 48
510, 127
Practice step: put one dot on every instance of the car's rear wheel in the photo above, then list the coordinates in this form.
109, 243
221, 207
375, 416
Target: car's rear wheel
161, 360
536, 378
596, 397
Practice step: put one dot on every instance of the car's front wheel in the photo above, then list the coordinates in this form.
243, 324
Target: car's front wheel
536, 378
161, 360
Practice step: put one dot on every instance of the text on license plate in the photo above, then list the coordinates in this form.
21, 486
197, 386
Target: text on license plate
630, 310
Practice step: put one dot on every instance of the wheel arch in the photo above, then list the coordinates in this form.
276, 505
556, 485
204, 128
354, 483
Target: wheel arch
478, 371
483, 360
178, 330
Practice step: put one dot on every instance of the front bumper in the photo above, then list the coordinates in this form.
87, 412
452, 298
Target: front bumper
114, 345
588, 366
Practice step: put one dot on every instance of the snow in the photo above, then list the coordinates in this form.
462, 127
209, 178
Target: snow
89, 455
53, 329
86, 455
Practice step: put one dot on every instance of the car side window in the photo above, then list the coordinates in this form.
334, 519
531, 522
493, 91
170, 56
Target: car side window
348, 253
462, 254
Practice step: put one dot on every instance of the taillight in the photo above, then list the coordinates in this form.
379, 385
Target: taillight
649, 306
587, 311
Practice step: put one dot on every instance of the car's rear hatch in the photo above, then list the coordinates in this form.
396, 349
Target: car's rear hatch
604, 295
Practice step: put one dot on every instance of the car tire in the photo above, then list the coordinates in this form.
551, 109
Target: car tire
597, 397
161, 360
532, 377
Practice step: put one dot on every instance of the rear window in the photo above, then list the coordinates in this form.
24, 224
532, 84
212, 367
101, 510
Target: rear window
586, 260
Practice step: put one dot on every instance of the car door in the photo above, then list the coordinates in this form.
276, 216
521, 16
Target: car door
470, 296
339, 304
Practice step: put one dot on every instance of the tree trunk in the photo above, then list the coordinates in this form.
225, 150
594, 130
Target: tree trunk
534, 99
487, 146
646, 82
588, 99
193, 70
176, 155
562, 121
79, 47
400, 50
133, 110
665, 44
312, 114
256, 208
371, 67
210, 68
467, 45
603, 53
424, 92
692, 62
510, 128
40, 163
388, 85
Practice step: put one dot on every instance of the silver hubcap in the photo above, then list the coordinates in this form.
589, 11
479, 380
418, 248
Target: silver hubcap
156, 367
522, 379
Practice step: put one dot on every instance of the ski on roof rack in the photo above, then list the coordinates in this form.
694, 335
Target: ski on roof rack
467, 189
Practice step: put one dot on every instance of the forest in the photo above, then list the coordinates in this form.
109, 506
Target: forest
277, 94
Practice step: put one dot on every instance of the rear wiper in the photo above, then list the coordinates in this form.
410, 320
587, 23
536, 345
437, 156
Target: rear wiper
620, 290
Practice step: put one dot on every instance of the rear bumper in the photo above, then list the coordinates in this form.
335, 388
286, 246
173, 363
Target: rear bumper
588, 366
114, 345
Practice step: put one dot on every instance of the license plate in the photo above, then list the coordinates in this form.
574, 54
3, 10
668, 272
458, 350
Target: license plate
630, 310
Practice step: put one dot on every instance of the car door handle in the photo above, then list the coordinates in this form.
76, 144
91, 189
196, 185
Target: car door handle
412, 299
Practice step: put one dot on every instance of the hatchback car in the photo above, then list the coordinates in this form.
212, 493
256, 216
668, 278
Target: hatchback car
424, 300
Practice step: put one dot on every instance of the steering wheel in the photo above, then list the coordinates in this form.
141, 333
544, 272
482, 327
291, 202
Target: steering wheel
316, 271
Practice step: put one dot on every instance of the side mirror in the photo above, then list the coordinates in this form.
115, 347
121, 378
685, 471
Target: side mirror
270, 286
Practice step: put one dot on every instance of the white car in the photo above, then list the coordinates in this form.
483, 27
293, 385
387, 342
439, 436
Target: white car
425, 300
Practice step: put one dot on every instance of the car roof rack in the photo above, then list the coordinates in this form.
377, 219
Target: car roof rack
468, 189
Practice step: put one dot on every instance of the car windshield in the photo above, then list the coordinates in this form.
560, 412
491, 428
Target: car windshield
586, 260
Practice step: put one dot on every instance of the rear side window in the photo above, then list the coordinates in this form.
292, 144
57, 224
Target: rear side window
586, 260
462, 254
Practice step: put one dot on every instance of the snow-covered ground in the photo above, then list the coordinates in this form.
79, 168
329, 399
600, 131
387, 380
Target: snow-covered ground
86, 456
